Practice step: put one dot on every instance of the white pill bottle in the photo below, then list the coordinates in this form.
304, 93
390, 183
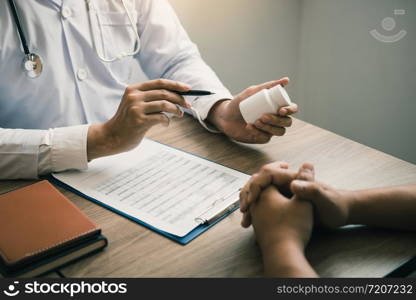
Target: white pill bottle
267, 101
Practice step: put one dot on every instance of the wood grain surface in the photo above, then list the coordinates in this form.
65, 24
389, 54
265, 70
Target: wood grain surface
227, 250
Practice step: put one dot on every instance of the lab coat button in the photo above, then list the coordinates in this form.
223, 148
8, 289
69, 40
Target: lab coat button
82, 74
66, 12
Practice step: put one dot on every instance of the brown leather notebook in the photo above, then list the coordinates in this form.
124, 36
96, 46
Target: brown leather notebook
38, 221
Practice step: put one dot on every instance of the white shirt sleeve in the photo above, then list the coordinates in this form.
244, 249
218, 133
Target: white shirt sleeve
27, 154
167, 52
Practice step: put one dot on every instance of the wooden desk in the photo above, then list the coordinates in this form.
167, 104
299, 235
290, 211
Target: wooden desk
227, 250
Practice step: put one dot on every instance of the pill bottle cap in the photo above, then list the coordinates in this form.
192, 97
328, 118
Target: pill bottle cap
279, 95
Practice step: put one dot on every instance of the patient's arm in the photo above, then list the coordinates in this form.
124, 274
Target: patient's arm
390, 207
393, 207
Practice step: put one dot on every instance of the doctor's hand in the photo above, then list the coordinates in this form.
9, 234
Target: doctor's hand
227, 118
141, 108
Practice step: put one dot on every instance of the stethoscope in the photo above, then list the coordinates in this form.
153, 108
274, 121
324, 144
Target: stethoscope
91, 12
32, 63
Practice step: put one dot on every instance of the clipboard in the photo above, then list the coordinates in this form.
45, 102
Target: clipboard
219, 210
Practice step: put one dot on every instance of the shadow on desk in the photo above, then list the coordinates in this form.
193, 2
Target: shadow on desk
227, 250
335, 252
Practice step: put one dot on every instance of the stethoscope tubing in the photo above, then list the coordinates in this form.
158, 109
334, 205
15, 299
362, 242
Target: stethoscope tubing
19, 27
91, 14
32, 63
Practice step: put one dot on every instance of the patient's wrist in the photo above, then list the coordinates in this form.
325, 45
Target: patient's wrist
353, 198
279, 241
284, 259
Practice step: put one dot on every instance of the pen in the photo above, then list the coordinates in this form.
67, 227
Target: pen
195, 93
223, 212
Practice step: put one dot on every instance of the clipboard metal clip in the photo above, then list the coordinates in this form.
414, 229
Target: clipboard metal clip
202, 219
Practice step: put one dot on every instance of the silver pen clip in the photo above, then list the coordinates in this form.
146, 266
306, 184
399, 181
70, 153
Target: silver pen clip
206, 218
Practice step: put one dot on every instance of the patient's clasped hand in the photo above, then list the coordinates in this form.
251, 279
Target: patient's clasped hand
284, 205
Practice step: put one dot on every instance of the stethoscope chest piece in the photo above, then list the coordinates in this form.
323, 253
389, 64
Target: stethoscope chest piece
32, 65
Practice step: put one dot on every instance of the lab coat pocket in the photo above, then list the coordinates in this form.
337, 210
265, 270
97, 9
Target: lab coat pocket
119, 42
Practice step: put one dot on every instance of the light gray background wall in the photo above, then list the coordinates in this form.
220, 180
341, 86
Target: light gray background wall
342, 78
245, 41
353, 84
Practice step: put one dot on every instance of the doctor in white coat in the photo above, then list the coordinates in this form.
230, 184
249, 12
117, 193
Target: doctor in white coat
76, 105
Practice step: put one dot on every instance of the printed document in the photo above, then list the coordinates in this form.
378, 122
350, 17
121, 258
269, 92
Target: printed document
166, 188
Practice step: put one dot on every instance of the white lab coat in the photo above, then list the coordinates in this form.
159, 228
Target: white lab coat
41, 120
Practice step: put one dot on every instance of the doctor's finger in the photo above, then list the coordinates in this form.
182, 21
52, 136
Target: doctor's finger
157, 118
165, 95
257, 88
162, 105
158, 84
275, 120
255, 136
268, 85
273, 130
289, 110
